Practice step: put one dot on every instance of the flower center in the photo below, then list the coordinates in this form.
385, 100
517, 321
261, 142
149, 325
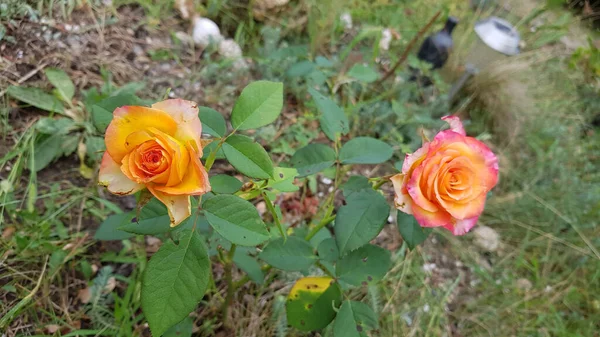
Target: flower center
151, 159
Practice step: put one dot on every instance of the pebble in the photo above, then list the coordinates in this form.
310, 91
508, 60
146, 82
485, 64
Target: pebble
346, 20
524, 284
205, 31
486, 238
386, 39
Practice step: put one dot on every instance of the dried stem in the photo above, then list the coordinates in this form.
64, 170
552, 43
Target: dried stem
411, 44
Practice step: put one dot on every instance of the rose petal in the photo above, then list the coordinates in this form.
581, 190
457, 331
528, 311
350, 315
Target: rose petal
431, 219
412, 160
455, 124
462, 227
414, 189
129, 119
185, 113
180, 157
402, 200
178, 206
490, 160
195, 182
111, 176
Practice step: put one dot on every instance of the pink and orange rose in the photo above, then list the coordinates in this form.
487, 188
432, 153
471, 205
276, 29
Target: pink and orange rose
157, 148
445, 182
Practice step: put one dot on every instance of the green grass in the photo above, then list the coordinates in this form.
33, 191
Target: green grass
543, 281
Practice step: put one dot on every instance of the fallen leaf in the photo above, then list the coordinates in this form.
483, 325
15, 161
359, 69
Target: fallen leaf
52, 328
84, 295
8, 232
110, 285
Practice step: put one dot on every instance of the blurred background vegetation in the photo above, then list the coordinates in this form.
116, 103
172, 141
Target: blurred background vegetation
532, 267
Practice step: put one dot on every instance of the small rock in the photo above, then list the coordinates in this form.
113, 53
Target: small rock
205, 32
386, 39
138, 50
524, 284
270, 3
230, 49
429, 267
486, 238
346, 20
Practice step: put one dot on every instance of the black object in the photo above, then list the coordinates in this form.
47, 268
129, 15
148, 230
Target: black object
436, 48
435, 51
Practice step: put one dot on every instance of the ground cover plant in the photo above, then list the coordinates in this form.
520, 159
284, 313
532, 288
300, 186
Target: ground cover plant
293, 151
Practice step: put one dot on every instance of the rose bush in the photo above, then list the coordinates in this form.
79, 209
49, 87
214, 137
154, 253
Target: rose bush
157, 148
445, 182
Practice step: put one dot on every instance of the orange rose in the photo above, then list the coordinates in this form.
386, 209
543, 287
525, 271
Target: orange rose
445, 182
157, 148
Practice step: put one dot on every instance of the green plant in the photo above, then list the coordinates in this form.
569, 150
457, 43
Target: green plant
178, 275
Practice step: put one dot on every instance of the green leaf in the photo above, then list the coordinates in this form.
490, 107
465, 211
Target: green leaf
213, 122
364, 266
311, 302
56, 261
360, 220
363, 73
333, 119
62, 82
181, 329
259, 104
300, 69
283, 179
36, 97
412, 233
293, 254
153, 219
128, 89
47, 150
101, 117
313, 158
235, 219
174, 281
323, 62
354, 319
249, 265
365, 150
95, 147
109, 228
328, 250
224, 184
355, 184
248, 157
53, 126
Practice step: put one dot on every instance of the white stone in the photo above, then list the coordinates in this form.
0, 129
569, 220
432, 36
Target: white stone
386, 39
486, 238
205, 31
346, 20
270, 3
230, 49
429, 267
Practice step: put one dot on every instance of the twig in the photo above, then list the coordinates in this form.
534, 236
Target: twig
411, 44
27, 76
